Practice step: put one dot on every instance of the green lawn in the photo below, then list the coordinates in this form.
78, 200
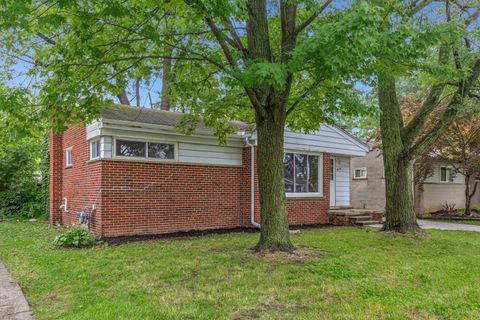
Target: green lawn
352, 274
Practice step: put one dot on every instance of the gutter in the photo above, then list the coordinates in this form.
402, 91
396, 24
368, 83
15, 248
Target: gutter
252, 183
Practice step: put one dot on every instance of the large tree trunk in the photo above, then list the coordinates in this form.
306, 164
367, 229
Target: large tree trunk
274, 219
399, 209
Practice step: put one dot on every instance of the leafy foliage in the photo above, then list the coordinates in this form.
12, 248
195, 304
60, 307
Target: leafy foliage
23, 171
76, 237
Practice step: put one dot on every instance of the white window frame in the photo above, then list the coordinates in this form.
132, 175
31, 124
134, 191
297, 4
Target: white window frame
363, 177
68, 151
318, 194
146, 158
452, 175
92, 142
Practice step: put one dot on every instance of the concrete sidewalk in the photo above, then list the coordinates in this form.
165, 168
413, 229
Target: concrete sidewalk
13, 305
439, 225
431, 224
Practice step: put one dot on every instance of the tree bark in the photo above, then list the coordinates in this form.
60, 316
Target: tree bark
469, 194
165, 93
274, 234
468, 198
137, 91
399, 209
122, 97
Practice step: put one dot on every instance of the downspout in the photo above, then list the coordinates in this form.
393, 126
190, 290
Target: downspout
252, 183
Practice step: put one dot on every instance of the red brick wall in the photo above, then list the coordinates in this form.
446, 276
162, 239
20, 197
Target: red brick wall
56, 177
152, 198
80, 183
140, 198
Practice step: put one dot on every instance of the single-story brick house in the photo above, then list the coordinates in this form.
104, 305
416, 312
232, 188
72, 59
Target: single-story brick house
138, 175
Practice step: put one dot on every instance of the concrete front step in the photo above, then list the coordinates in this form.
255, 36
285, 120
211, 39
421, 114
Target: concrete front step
366, 223
361, 218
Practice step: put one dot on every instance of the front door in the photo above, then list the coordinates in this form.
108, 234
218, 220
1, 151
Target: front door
332, 181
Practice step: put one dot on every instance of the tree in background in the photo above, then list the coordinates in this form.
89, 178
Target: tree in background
460, 148
23, 170
454, 74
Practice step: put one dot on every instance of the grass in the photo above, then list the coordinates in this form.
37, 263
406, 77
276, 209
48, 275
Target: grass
350, 274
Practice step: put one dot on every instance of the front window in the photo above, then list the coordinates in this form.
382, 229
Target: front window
302, 173
142, 149
161, 150
130, 148
446, 174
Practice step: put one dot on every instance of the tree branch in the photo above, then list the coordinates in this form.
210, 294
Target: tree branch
448, 116
410, 131
310, 19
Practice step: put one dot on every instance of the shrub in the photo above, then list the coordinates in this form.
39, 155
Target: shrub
23, 180
449, 207
424, 214
461, 212
76, 237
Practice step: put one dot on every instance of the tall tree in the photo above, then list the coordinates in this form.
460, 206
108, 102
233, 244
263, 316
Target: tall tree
403, 142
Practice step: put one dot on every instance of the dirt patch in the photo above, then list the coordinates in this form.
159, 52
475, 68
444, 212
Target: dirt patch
265, 308
300, 255
418, 234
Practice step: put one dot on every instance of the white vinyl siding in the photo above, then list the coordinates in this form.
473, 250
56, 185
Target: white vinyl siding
186, 152
327, 139
208, 154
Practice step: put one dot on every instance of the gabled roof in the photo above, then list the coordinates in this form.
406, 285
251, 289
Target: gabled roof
328, 139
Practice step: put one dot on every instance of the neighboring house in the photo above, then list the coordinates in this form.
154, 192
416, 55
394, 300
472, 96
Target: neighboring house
442, 186
142, 177
368, 181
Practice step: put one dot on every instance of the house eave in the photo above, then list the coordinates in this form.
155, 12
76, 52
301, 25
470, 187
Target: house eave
161, 129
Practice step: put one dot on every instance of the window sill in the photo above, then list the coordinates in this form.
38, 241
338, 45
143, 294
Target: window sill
142, 159
94, 160
360, 178
68, 167
293, 195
